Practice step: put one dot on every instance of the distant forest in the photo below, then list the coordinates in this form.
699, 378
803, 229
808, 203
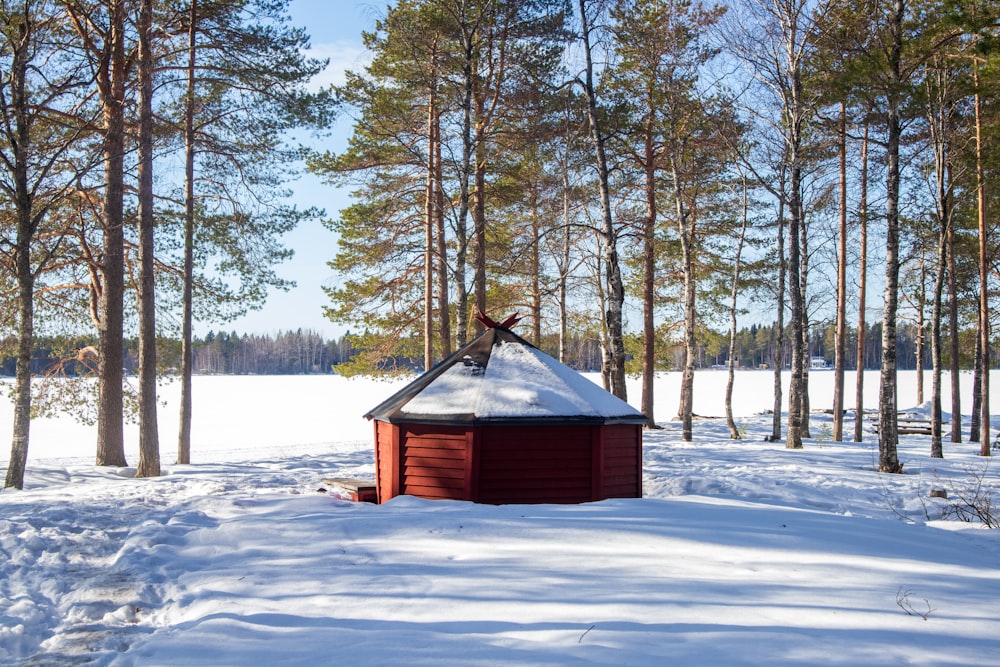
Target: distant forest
307, 352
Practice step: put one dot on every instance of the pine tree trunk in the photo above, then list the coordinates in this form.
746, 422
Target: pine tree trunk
564, 264
779, 344
919, 343
840, 345
956, 360
17, 463
21, 139
464, 177
985, 443
977, 391
110, 409
444, 310
429, 244
536, 274
149, 438
649, 280
859, 383
479, 230
187, 322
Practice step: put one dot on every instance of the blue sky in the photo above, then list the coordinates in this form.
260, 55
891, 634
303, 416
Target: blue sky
335, 27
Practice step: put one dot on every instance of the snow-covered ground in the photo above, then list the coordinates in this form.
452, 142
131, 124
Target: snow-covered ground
740, 553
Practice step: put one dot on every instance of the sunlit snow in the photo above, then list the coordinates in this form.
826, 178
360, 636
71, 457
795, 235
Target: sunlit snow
740, 553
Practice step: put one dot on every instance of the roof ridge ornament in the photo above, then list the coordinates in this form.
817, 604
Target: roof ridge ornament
490, 323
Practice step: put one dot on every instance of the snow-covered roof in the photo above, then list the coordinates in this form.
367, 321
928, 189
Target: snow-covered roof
501, 377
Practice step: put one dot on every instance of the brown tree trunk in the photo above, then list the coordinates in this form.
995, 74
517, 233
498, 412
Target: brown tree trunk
919, 341
479, 231
19, 141
975, 427
840, 345
985, 443
429, 244
149, 439
649, 279
444, 310
110, 408
859, 383
956, 361
187, 323
779, 344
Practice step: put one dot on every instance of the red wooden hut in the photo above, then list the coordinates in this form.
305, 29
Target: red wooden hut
500, 421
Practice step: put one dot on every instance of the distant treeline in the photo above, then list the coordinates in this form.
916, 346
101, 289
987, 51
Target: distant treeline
284, 353
305, 351
755, 347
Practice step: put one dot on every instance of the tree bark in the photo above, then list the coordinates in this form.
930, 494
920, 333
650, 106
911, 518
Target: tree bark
149, 439
686, 233
429, 244
444, 309
187, 318
649, 278
840, 345
779, 344
888, 415
615, 367
20, 143
110, 408
956, 366
859, 383
975, 427
734, 432
985, 443
795, 386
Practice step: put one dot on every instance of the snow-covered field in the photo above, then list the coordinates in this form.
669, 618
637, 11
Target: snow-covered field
740, 553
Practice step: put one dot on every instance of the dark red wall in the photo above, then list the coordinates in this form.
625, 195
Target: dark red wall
499, 464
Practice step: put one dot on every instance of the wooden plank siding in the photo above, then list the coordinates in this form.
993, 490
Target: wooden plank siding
535, 464
622, 471
433, 462
509, 463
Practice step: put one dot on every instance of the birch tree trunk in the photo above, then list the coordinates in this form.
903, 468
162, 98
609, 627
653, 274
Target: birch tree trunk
734, 432
615, 288
888, 411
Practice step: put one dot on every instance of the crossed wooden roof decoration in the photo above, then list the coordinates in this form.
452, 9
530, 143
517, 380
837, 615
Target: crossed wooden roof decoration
490, 323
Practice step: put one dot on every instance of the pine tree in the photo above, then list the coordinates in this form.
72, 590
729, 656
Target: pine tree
39, 168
